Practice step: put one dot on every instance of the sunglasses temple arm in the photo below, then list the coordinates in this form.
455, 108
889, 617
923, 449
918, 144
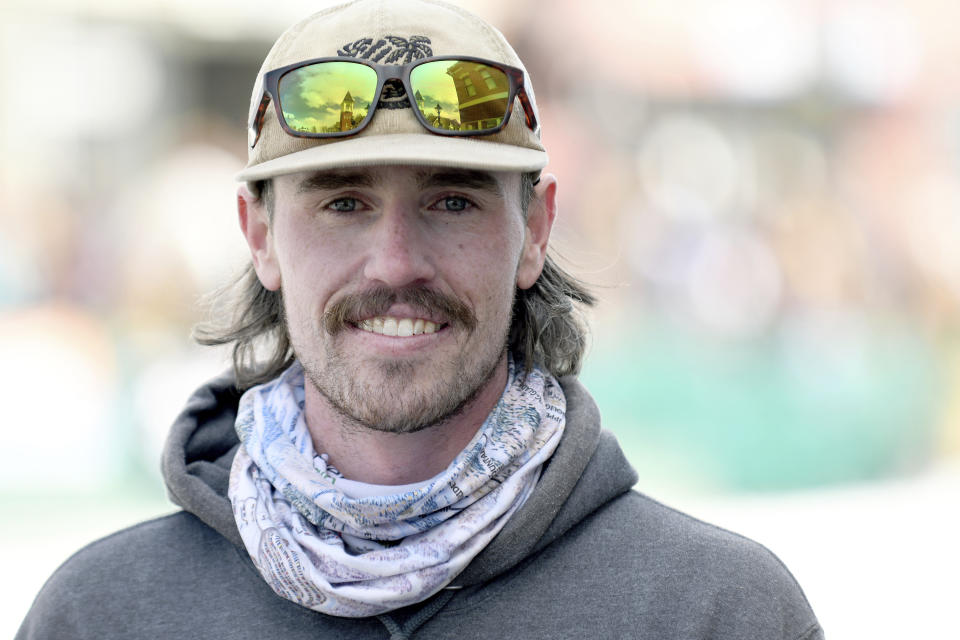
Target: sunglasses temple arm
256, 124
527, 109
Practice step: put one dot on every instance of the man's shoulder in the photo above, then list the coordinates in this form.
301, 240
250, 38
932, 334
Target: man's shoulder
644, 524
135, 579
161, 547
172, 577
159, 541
638, 567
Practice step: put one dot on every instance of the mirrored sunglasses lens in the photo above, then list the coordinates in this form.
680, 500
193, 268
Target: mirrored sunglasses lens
327, 97
459, 95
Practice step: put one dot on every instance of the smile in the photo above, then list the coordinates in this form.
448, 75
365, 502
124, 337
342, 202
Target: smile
400, 327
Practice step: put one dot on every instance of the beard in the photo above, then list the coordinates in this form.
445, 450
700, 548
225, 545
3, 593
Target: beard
402, 396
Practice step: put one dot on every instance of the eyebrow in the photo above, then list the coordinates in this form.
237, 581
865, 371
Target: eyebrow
330, 181
463, 178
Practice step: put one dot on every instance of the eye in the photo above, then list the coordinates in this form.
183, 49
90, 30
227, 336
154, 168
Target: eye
344, 205
454, 203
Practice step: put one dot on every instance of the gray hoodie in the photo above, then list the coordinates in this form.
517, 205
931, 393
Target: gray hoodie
584, 556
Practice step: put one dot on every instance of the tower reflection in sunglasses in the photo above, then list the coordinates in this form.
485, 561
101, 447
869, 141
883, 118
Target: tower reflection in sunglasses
327, 97
451, 95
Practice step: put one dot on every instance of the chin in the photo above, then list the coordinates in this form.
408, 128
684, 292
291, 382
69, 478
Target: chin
401, 396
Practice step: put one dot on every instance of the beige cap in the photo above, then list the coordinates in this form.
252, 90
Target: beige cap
374, 29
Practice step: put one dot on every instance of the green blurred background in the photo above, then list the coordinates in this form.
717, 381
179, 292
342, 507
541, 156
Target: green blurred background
765, 195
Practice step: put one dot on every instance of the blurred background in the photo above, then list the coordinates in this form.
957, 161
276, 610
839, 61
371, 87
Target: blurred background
765, 194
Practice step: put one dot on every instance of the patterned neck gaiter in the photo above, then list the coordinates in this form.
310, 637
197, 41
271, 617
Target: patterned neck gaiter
358, 557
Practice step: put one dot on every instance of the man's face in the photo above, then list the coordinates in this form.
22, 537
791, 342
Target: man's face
398, 284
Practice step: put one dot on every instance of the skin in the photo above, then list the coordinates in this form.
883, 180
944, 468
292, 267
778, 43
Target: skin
389, 409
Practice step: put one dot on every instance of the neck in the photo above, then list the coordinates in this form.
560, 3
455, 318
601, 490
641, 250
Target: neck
378, 457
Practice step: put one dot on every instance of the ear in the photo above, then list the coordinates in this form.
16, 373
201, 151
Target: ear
255, 224
540, 217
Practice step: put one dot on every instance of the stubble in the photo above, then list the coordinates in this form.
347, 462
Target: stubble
402, 396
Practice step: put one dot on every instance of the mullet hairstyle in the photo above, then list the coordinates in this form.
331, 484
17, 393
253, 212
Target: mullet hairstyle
547, 327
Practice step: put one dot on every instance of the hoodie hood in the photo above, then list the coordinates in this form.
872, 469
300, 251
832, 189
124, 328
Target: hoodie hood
202, 443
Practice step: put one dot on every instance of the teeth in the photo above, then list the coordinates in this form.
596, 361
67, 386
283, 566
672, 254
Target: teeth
402, 327
389, 326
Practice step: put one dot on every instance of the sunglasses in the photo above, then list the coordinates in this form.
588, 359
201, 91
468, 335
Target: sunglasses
334, 97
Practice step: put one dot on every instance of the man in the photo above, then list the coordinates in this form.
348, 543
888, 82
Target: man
402, 449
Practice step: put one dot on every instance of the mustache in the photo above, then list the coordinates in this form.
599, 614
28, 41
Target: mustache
354, 307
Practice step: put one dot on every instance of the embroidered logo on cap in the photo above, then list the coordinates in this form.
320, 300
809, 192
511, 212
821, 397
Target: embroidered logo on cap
390, 50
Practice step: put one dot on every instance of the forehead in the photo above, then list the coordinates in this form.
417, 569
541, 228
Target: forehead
498, 184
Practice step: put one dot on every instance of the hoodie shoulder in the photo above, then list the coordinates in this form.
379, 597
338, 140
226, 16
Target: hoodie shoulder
696, 562
634, 568
121, 581
172, 577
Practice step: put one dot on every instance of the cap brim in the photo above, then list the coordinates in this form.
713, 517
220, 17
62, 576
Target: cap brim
402, 148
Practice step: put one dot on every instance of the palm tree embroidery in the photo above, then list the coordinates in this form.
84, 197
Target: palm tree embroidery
416, 48
395, 49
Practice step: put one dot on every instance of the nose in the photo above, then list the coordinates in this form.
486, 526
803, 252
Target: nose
399, 250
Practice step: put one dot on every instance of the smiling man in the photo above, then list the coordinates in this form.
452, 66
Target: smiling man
418, 271
402, 448
398, 286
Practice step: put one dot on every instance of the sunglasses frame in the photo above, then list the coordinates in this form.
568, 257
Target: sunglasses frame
271, 92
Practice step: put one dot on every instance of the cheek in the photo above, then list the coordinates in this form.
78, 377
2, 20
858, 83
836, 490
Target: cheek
489, 269
309, 271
